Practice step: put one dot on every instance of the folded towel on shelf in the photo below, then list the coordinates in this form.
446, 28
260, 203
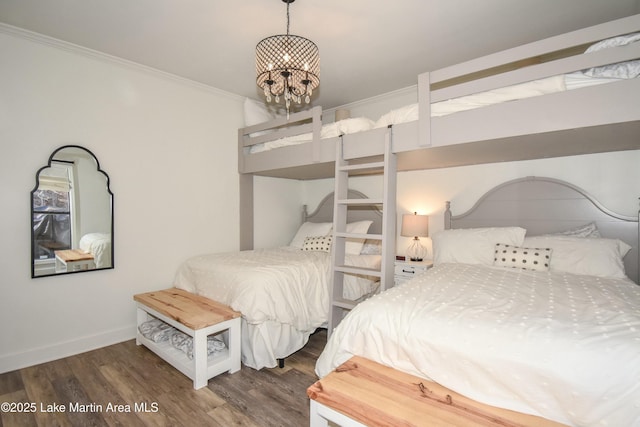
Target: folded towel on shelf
156, 330
184, 343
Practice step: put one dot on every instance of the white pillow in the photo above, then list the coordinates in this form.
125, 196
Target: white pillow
405, 114
536, 259
310, 229
354, 246
317, 244
371, 247
620, 70
356, 124
587, 230
577, 255
473, 245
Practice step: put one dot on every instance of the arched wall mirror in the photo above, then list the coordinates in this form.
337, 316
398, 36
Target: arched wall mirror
71, 215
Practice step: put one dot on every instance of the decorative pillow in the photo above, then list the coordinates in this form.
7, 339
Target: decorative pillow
585, 231
473, 245
405, 114
310, 229
354, 246
318, 243
576, 255
536, 259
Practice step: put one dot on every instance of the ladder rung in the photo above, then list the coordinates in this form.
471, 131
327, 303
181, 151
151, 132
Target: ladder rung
360, 201
359, 235
363, 166
358, 270
344, 303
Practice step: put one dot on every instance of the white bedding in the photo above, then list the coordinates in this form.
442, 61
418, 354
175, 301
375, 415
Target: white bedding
282, 293
562, 346
99, 245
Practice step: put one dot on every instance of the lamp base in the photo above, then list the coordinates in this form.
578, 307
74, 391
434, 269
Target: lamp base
416, 252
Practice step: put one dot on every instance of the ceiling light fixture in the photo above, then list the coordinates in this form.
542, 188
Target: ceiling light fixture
287, 66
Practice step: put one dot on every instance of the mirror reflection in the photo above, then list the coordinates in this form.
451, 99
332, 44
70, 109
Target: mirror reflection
71, 215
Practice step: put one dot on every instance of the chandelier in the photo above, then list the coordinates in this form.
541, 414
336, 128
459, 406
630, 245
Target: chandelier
287, 66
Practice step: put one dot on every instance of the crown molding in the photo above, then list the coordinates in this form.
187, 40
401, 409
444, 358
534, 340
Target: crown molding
111, 59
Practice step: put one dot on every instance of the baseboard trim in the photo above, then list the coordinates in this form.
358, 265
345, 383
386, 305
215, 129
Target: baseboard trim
14, 361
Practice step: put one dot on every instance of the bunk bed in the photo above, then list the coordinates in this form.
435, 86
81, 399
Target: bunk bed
560, 339
575, 93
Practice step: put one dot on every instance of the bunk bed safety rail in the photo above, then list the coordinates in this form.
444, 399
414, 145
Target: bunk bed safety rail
538, 49
308, 121
540, 71
554, 56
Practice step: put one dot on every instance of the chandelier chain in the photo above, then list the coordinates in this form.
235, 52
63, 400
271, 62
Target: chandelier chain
288, 3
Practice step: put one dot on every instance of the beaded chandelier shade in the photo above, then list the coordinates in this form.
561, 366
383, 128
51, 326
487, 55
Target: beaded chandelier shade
287, 66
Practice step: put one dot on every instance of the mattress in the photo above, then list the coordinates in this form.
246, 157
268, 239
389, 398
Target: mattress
561, 346
282, 293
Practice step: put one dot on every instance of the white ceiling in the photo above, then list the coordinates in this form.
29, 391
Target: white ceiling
367, 47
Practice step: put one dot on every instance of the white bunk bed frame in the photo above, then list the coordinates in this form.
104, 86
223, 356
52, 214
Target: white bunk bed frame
600, 118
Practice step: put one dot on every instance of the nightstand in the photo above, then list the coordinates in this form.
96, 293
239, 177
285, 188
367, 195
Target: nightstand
405, 270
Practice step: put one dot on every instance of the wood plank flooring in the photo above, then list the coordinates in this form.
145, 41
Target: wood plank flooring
128, 385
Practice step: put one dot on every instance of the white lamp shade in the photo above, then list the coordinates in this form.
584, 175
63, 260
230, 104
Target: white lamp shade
414, 225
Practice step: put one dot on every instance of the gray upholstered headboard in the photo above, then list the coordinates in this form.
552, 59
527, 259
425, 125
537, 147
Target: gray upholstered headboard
547, 205
324, 212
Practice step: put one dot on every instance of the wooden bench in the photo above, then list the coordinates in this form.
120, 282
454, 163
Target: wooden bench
73, 260
198, 317
364, 393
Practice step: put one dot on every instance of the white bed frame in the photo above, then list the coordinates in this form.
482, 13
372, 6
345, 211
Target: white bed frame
547, 205
594, 119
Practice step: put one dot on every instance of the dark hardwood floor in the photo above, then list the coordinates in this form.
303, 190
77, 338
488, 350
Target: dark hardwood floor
128, 385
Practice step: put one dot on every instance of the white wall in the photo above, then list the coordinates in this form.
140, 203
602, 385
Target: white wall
169, 147
277, 210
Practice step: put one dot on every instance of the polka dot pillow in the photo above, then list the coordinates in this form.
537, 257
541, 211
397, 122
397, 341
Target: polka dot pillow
537, 259
318, 243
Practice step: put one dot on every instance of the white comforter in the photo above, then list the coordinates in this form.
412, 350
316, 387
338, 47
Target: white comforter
282, 293
556, 345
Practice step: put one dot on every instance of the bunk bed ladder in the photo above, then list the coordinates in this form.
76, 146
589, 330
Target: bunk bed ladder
387, 204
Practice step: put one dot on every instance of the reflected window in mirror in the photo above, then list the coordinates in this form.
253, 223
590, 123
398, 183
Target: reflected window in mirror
71, 215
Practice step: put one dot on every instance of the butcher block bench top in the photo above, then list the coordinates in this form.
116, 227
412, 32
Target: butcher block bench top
193, 311
376, 395
70, 255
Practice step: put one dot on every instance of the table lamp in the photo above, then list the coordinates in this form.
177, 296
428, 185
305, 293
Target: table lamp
414, 225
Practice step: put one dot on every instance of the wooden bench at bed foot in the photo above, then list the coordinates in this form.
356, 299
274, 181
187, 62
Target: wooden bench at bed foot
199, 318
361, 393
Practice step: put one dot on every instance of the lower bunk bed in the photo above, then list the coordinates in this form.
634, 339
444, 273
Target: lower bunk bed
558, 338
283, 293
579, 88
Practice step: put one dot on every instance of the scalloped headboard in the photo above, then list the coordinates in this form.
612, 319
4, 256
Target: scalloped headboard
324, 212
547, 205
